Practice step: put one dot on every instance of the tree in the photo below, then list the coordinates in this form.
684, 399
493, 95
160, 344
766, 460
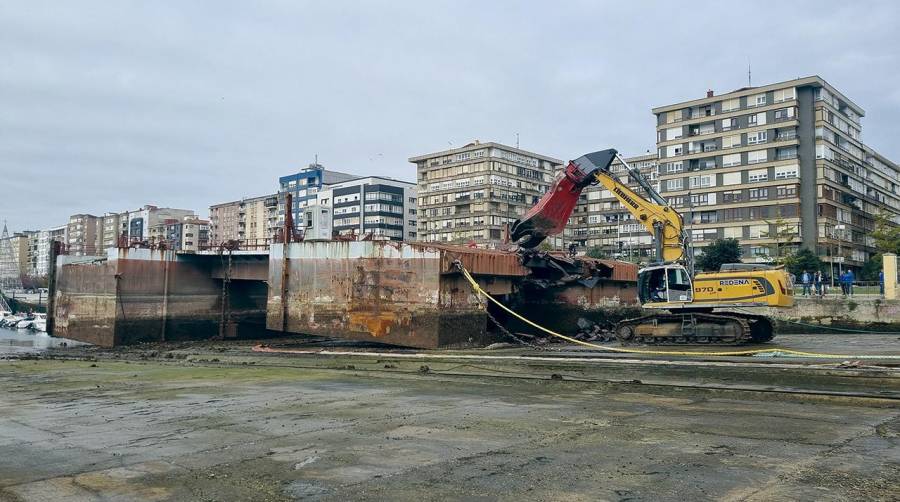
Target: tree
595, 252
886, 235
719, 252
784, 235
803, 260
871, 268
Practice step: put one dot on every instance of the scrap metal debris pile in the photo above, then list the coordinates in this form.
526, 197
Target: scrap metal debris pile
580, 296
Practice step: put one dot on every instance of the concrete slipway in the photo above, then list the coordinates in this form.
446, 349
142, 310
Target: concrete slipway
220, 421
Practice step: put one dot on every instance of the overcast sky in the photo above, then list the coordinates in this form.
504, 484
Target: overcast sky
109, 105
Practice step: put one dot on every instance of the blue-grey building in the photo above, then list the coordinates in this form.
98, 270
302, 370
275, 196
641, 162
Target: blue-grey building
305, 186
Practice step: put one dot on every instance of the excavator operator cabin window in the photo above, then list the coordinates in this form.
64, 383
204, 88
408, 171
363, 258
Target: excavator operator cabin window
679, 283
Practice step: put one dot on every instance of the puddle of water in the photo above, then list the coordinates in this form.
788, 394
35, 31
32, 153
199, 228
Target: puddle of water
23, 341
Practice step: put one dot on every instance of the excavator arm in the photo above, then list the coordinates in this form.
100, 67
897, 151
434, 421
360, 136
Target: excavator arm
550, 215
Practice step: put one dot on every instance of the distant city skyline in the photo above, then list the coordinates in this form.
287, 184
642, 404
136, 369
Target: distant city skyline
113, 106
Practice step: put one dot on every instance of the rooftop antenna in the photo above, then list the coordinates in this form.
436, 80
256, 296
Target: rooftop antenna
517, 141
317, 160
749, 80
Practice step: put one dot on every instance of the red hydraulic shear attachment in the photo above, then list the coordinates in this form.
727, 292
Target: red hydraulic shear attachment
550, 215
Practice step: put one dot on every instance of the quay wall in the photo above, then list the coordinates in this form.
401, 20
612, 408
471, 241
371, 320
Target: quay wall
139, 295
859, 312
372, 291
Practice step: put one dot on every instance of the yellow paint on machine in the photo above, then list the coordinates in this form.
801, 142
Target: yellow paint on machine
772, 287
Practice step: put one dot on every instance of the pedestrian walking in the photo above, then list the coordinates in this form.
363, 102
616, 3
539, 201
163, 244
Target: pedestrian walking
817, 281
849, 279
806, 280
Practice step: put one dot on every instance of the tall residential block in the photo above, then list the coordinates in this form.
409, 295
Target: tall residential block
471, 193
304, 187
600, 221
373, 205
81, 234
777, 167
189, 234
41, 261
251, 220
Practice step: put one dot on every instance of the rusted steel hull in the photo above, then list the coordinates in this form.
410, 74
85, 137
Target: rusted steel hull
390, 293
143, 296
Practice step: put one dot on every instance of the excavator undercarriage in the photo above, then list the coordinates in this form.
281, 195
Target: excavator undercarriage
695, 328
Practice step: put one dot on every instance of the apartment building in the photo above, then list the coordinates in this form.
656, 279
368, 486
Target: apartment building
600, 221
40, 260
190, 234
88, 235
81, 235
138, 223
472, 193
304, 187
111, 227
18, 244
250, 220
373, 205
776, 166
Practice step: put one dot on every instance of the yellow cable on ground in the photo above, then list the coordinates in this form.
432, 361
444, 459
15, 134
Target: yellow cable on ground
752, 352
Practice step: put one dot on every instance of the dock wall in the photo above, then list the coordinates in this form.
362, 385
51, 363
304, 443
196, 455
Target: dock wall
859, 312
372, 291
140, 295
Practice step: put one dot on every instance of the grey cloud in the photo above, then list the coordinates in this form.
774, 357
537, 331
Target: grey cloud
110, 105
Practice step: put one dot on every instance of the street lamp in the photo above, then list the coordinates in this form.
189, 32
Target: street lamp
840, 257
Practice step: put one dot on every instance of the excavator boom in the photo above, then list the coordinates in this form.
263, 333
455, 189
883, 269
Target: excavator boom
550, 215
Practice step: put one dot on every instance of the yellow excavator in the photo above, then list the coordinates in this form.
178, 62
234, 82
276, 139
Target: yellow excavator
682, 308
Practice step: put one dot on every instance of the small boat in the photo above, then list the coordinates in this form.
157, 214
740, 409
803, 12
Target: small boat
11, 320
25, 323
40, 323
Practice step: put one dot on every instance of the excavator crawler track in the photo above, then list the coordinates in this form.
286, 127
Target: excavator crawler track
695, 328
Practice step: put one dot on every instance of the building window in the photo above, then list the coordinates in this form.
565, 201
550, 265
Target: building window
784, 95
757, 156
758, 175
759, 231
732, 141
786, 153
786, 191
733, 159
756, 137
758, 193
731, 178
785, 172
700, 217
733, 232
731, 196
674, 167
701, 181
730, 105
784, 113
676, 184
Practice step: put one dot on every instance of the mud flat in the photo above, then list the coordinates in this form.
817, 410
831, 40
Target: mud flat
221, 422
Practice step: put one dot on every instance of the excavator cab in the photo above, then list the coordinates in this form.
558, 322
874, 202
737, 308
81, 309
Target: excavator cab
665, 284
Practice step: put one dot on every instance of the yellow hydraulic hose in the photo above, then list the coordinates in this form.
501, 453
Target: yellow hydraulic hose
753, 352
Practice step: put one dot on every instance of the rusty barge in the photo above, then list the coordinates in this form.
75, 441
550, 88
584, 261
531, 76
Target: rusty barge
398, 293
